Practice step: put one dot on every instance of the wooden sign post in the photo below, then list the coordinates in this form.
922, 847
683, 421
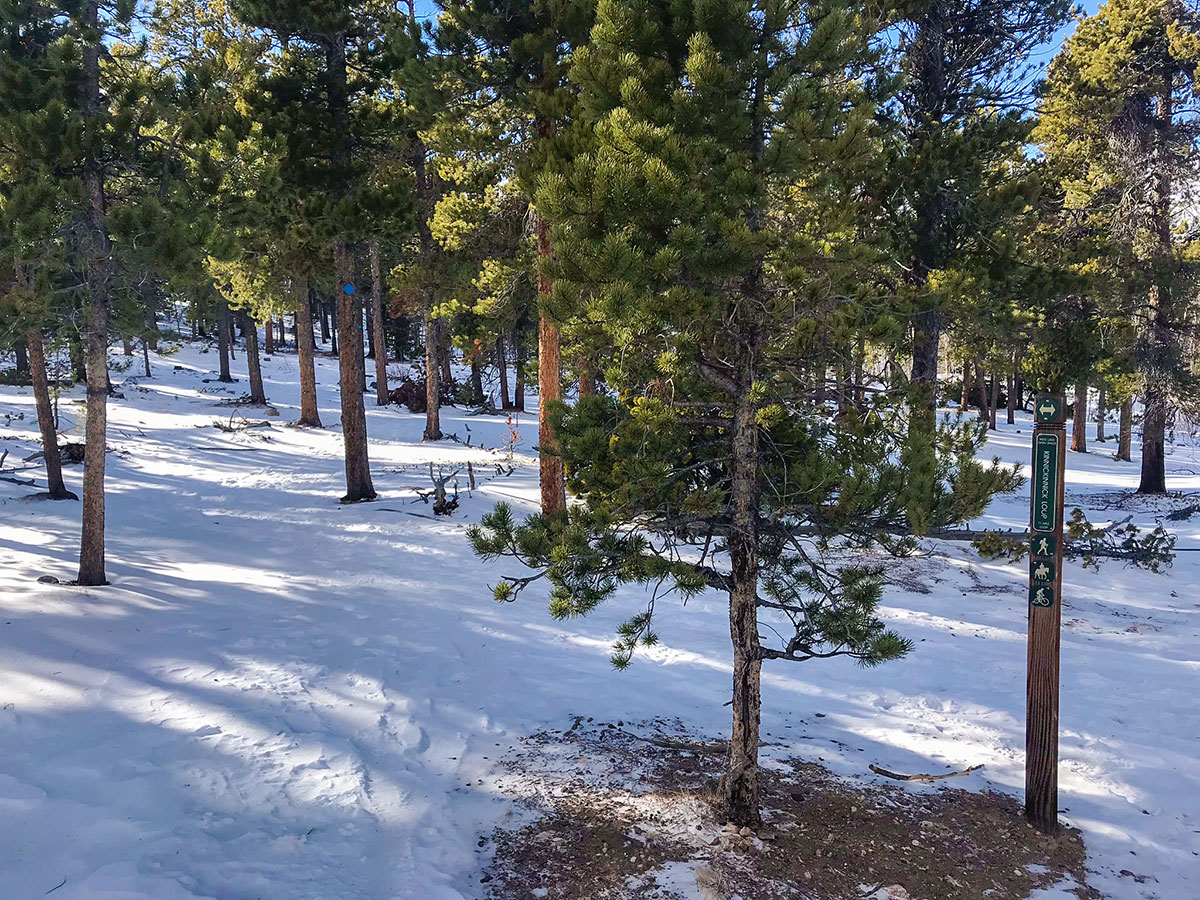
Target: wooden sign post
1045, 613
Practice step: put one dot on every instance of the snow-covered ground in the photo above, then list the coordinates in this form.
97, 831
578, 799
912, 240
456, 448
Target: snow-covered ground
282, 697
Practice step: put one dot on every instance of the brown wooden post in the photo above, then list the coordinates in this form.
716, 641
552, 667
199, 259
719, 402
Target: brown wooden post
1045, 613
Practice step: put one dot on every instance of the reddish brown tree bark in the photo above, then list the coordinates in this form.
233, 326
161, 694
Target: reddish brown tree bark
350, 370
381, 377
1079, 419
258, 395
45, 413
310, 416
97, 254
740, 783
1125, 434
554, 491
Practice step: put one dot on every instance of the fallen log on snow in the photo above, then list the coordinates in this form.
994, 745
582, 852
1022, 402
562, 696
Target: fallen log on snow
898, 777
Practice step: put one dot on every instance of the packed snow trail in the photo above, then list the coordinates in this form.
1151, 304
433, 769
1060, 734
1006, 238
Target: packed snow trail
283, 697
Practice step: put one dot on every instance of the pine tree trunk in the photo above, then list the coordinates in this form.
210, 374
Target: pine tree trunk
519, 370
1159, 320
477, 378
981, 386
150, 308
587, 378
146, 355
965, 397
364, 328
45, 413
1101, 414
740, 783
994, 403
310, 416
553, 484
22, 353
78, 363
91, 545
377, 327
126, 347
554, 490
1154, 443
1012, 394
1079, 418
369, 308
842, 390
335, 328
325, 332
223, 348
258, 396
350, 362
270, 336
433, 381
91, 548
860, 356
444, 353
1125, 432
433, 387
502, 366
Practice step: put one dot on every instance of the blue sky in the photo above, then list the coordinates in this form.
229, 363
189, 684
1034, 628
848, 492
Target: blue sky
429, 8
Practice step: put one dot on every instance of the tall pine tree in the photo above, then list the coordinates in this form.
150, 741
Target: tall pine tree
966, 80
1119, 117
711, 224
522, 53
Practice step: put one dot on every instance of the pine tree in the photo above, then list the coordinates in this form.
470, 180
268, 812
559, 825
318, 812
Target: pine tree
83, 130
263, 249
33, 211
522, 54
321, 97
713, 226
958, 115
1119, 117
488, 273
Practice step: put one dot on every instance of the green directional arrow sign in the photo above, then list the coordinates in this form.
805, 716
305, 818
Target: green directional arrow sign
1048, 408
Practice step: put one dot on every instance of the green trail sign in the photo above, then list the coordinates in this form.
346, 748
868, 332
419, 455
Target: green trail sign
1041, 595
1044, 545
1045, 481
1049, 409
1045, 612
1041, 571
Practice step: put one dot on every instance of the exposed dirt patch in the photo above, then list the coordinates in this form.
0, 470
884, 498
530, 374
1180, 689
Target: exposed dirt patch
618, 811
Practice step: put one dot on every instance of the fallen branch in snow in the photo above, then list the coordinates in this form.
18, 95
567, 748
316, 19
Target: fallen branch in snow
403, 512
1181, 515
898, 777
443, 505
7, 476
242, 424
1153, 549
487, 408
